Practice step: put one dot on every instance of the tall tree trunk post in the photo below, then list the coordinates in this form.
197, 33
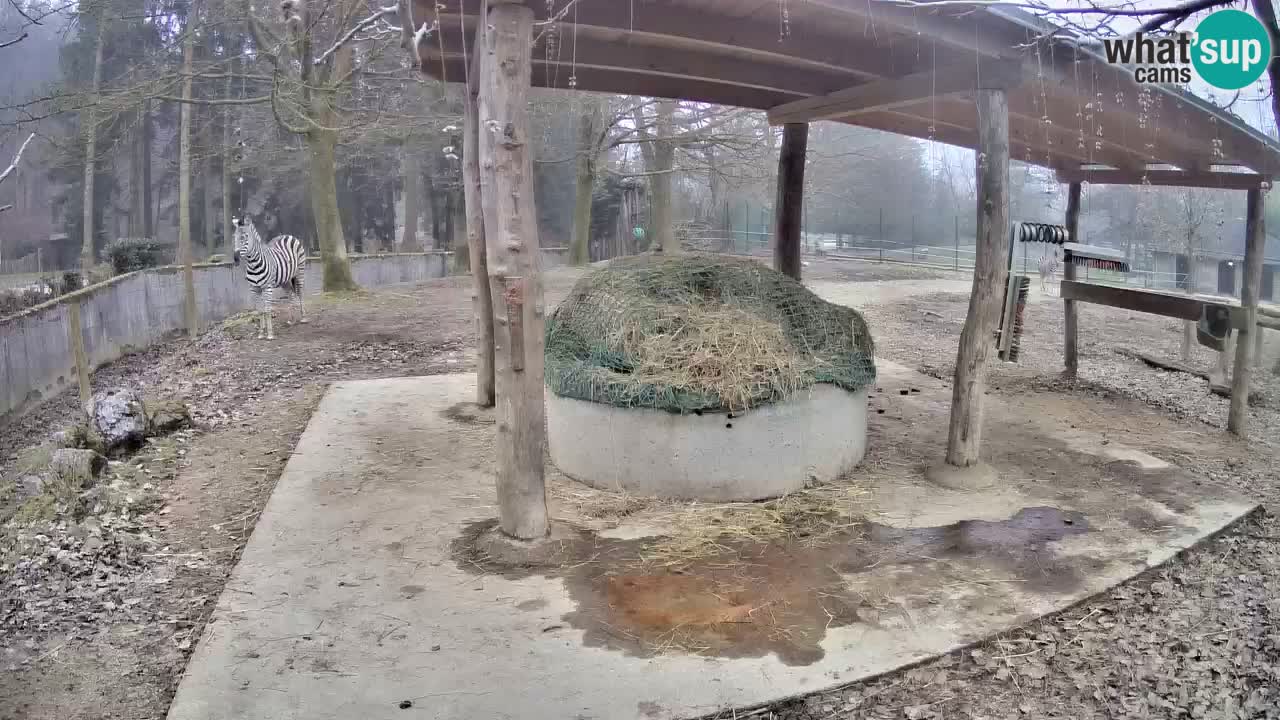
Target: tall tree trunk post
321, 144
433, 203
1255, 245
148, 217
1071, 333
481, 301
412, 175
458, 230
964, 434
664, 152
790, 202
510, 217
580, 244
184, 178
91, 153
227, 155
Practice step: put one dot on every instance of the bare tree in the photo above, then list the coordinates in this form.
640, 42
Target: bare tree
308, 102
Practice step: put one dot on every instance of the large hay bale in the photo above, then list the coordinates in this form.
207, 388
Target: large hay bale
700, 333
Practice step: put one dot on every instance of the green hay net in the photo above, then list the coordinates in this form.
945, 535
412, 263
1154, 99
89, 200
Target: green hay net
700, 333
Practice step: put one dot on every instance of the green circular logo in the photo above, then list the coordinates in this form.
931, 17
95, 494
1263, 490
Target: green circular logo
1231, 49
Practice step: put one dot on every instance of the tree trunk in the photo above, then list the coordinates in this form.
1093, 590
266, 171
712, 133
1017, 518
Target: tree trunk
91, 152
664, 153
148, 219
964, 435
136, 211
184, 177
790, 201
458, 235
412, 173
447, 238
1255, 243
324, 208
507, 196
433, 202
481, 301
580, 245
227, 197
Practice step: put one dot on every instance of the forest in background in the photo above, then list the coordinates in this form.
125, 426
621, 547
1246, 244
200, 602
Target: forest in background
311, 120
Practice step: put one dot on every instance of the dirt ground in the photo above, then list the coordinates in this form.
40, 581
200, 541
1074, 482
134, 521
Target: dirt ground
101, 626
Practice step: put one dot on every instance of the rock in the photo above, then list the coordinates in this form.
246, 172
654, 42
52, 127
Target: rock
78, 436
166, 416
29, 486
78, 468
118, 416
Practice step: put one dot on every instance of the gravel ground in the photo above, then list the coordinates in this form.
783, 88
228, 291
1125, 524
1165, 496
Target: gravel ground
98, 617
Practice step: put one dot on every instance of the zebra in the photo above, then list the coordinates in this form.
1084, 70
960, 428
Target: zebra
1048, 269
267, 266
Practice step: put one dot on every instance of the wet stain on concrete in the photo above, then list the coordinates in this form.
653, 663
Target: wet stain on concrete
468, 414
1172, 487
754, 599
1146, 521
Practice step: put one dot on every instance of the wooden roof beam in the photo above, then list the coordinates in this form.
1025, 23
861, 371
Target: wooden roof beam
1217, 180
624, 82
703, 30
633, 55
950, 133
891, 93
958, 31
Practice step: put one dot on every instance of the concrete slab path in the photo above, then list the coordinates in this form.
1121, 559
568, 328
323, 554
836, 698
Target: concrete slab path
349, 604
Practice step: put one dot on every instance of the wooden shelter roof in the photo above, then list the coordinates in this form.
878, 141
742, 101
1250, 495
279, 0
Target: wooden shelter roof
877, 64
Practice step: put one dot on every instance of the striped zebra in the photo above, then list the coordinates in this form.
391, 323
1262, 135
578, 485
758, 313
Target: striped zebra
1048, 270
267, 266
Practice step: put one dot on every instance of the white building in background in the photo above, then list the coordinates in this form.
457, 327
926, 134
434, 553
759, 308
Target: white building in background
1214, 273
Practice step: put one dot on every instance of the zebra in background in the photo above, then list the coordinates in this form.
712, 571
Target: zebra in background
1048, 269
267, 266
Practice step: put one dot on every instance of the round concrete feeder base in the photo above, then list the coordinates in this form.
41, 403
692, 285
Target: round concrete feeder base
763, 453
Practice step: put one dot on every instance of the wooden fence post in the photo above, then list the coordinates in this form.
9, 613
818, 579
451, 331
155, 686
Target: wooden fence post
964, 434
1070, 356
75, 335
511, 246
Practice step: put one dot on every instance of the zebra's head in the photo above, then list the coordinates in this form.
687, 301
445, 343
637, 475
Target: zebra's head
246, 238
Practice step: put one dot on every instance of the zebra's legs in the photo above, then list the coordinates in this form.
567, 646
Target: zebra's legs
259, 314
266, 312
297, 288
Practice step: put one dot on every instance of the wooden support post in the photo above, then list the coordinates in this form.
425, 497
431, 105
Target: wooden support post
511, 247
481, 301
75, 335
790, 203
1255, 244
1070, 353
964, 435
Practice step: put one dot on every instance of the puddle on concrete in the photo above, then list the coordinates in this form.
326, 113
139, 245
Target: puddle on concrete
754, 599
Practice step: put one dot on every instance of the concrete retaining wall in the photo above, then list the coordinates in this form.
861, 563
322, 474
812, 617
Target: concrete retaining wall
132, 311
